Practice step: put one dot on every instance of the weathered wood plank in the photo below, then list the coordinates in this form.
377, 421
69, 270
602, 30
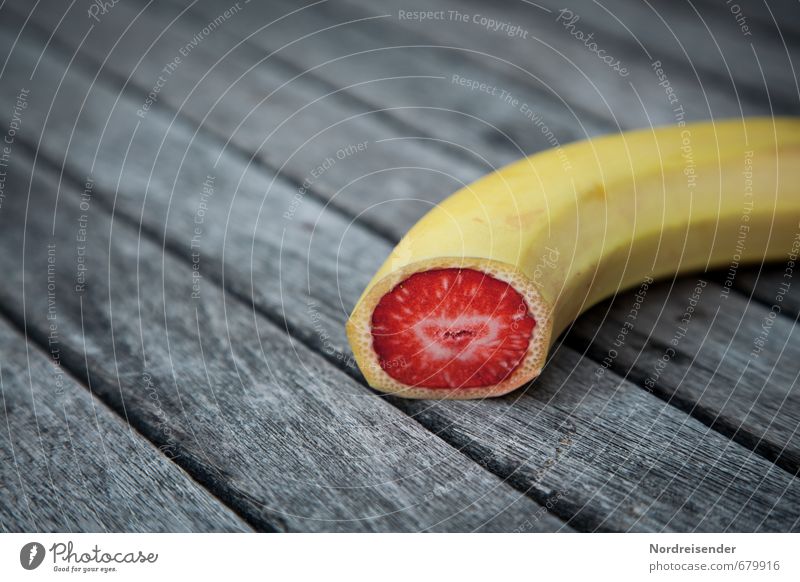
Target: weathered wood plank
348, 47
274, 430
774, 286
767, 18
259, 106
705, 43
716, 56
335, 55
744, 385
69, 464
592, 505
572, 70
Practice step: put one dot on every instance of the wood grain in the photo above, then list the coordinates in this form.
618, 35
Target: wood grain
571, 70
590, 505
778, 18
70, 464
773, 286
703, 42
445, 86
744, 385
256, 105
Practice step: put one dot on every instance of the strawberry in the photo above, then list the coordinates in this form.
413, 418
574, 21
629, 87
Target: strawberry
451, 328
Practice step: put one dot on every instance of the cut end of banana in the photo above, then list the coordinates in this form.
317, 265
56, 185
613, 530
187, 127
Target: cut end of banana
468, 302
456, 328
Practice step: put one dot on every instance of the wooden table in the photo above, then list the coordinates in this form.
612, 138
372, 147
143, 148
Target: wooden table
194, 197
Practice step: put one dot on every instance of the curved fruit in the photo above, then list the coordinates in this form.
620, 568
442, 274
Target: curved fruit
470, 300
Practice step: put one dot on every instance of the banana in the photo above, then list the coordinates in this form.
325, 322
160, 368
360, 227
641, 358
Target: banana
471, 299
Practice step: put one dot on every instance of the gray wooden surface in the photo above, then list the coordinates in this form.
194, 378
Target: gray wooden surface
249, 387
71, 464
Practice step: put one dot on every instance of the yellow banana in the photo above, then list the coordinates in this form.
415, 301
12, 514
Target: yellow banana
470, 300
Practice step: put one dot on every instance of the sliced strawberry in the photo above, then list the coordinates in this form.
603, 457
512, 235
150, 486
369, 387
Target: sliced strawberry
451, 328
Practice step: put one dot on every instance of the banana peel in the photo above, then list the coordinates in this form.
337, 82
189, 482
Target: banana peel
474, 295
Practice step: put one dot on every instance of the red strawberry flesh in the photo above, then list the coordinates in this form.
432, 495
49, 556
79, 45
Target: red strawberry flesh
451, 328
